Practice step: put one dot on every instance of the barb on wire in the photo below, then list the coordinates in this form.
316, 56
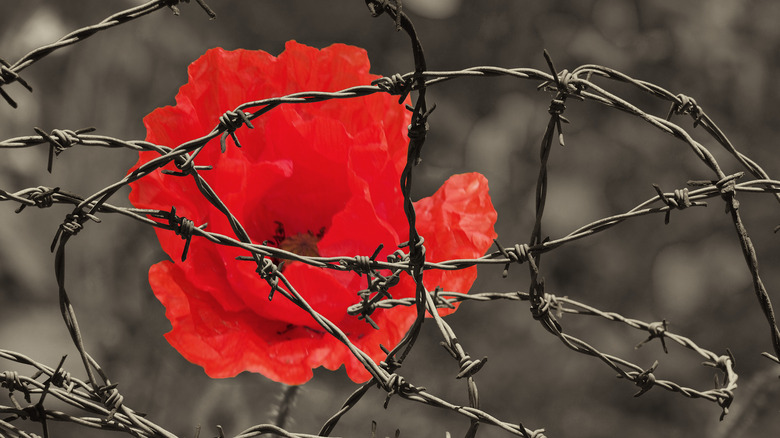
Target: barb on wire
7, 76
10, 72
518, 254
183, 227
70, 392
230, 121
657, 330
726, 187
566, 306
59, 140
417, 134
686, 105
680, 200
172, 5
563, 88
42, 197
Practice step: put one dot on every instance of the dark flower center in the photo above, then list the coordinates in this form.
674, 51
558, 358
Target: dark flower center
303, 244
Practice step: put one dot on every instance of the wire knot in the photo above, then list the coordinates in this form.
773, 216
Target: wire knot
376, 7
7, 76
415, 257
13, 382
393, 385
43, 197
722, 362
724, 402
469, 367
172, 5
657, 330
417, 131
727, 184
59, 140
269, 272
541, 304
679, 200
62, 379
362, 265
395, 85
727, 187
686, 105
518, 254
112, 399
230, 121
368, 304
439, 301
182, 227
557, 107
185, 165
396, 384
563, 87
71, 226
564, 82
398, 255
645, 380
364, 308
538, 433
376, 283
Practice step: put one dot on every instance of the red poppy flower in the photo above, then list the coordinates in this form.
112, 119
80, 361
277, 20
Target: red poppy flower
316, 179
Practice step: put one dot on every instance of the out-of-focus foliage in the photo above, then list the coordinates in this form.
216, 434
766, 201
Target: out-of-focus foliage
724, 54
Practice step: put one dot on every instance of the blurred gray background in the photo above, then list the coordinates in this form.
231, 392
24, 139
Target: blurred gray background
690, 272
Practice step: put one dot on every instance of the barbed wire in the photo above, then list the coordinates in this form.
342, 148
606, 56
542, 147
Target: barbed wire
98, 396
9, 73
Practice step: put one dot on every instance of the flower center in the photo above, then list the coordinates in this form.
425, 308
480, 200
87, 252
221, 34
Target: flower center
304, 244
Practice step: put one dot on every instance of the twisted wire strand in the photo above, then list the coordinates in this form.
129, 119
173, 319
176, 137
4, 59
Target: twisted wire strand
10, 72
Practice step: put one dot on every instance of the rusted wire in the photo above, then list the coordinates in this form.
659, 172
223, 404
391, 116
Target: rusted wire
99, 396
